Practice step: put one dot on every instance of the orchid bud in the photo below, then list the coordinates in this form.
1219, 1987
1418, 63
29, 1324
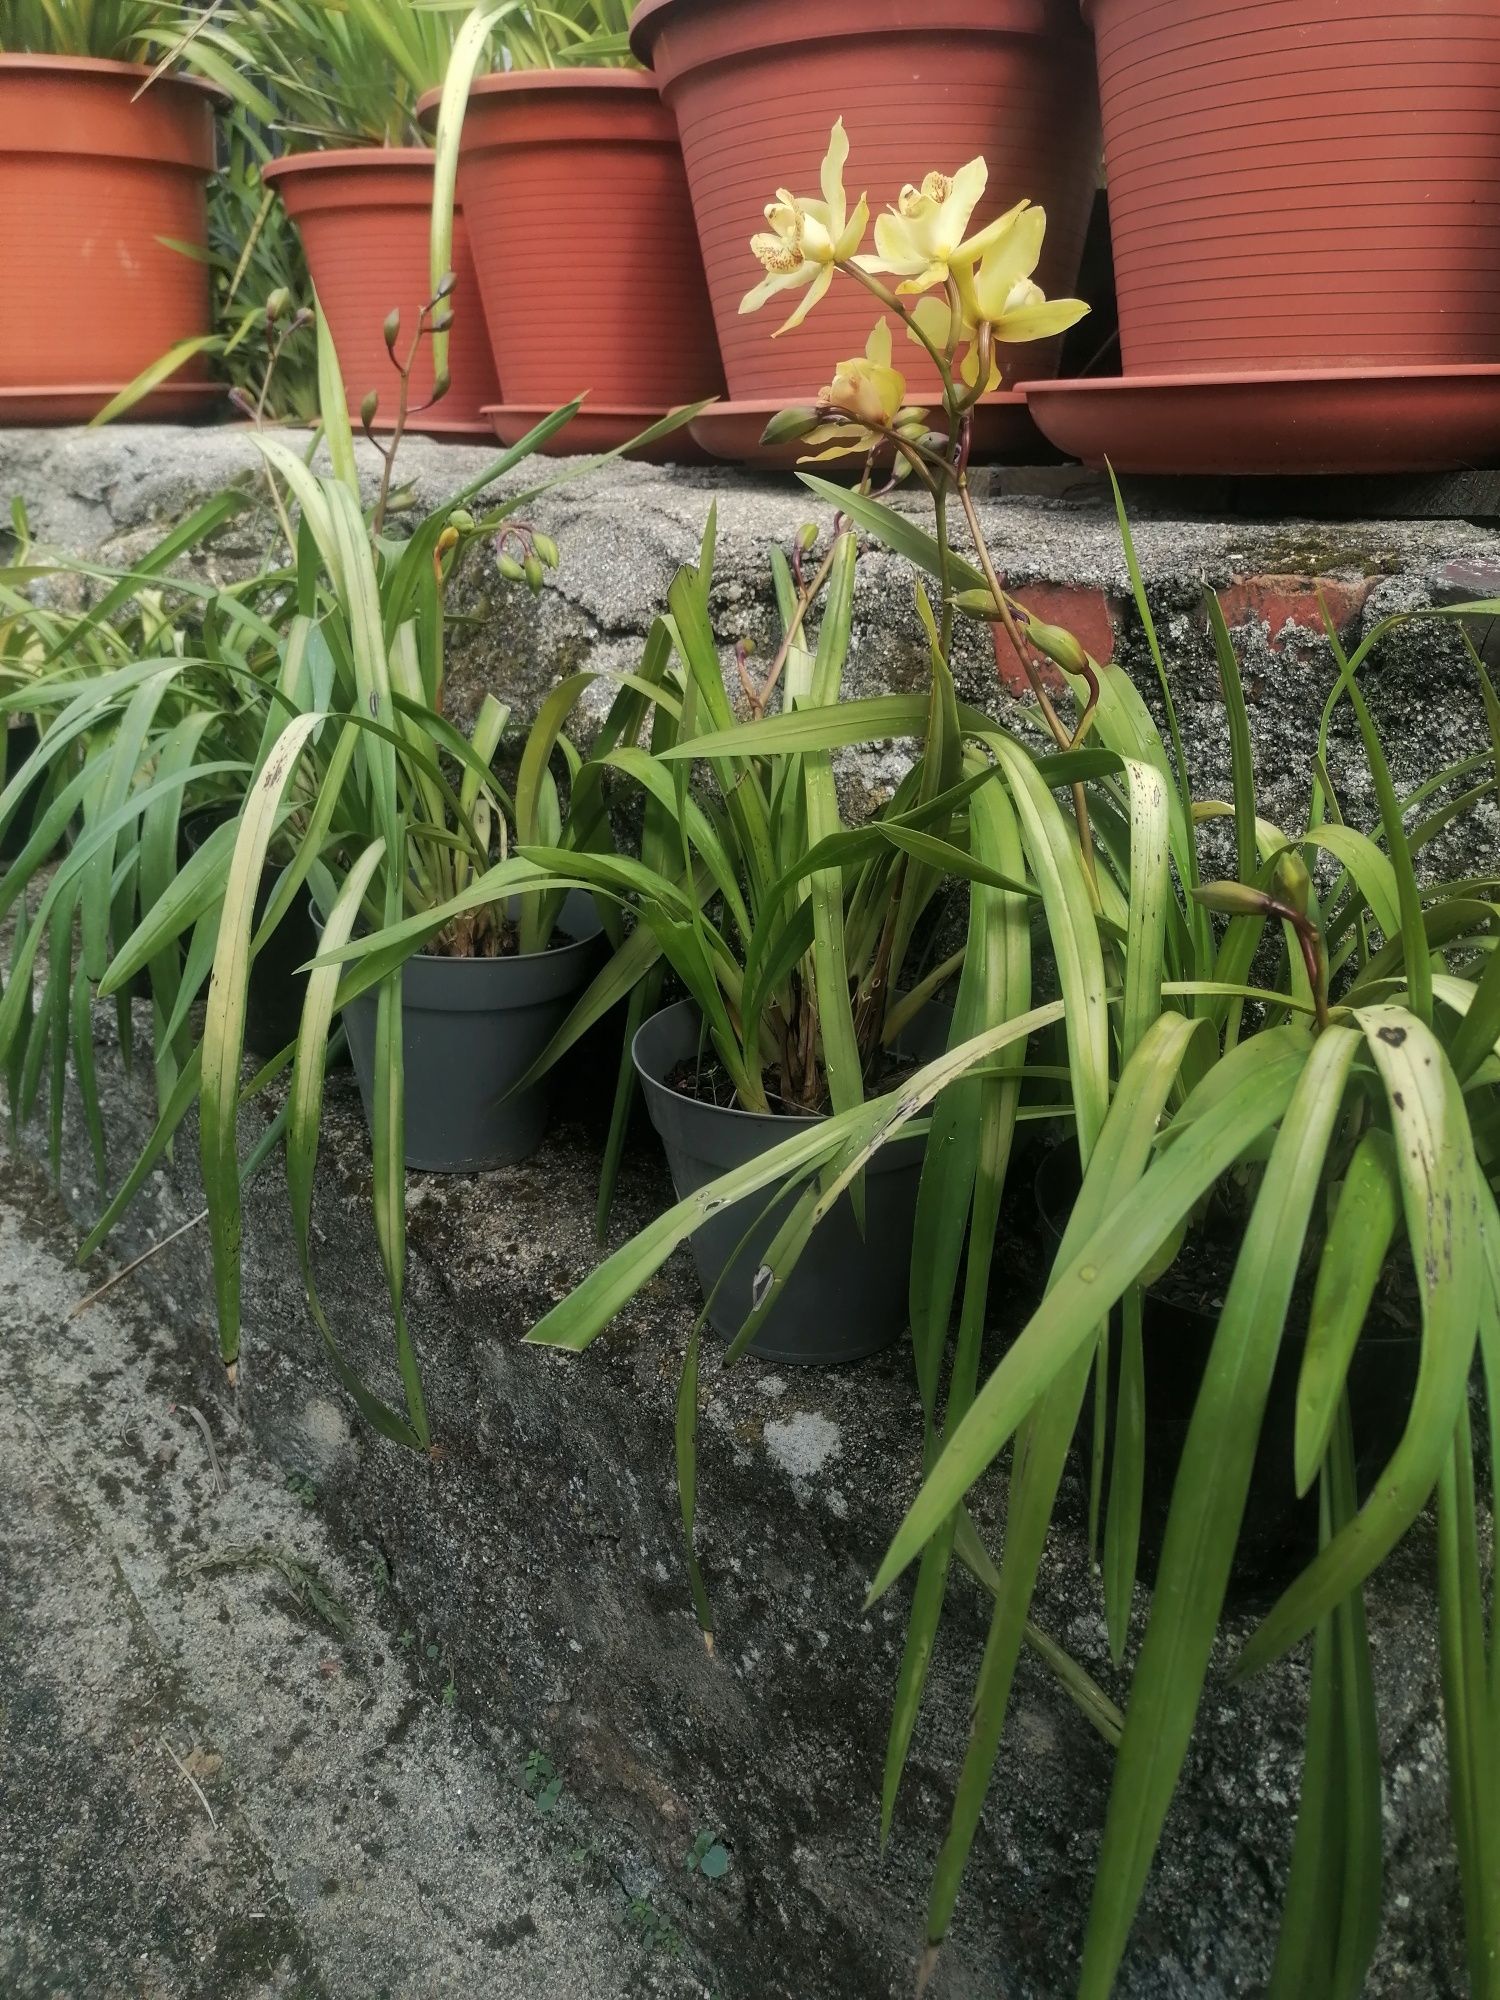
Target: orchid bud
392, 328
1057, 644
807, 537
788, 425
1293, 883
368, 408
439, 386
462, 520
442, 320
547, 549
509, 568
277, 304
532, 570
976, 604
1233, 899
445, 285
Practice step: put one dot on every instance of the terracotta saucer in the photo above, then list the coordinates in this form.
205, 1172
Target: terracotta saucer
1003, 431
597, 427
476, 432
77, 402
1336, 420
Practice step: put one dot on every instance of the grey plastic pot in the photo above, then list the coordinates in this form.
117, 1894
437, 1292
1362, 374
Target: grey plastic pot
846, 1298
470, 1028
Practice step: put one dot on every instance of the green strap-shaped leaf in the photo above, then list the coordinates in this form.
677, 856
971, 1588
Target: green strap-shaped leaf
224, 1028
1331, 1919
963, 1179
1363, 1226
305, 1116
832, 995
1440, 1200
333, 407
1116, 1164
1254, 1085
1208, 1502
1057, 870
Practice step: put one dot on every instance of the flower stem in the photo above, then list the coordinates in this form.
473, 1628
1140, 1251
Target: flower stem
1061, 735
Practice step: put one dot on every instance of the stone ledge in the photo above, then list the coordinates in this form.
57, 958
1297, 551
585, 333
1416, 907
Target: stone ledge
544, 1545
625, 529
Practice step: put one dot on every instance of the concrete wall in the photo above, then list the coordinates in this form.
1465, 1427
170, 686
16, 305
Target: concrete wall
625, 529
544, 1544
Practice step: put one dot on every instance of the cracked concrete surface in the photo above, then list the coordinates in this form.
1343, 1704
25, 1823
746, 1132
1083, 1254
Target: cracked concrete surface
206, 1789
540, 1554
625, 529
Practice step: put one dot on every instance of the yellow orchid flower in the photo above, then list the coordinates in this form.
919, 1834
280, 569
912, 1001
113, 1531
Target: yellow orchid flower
1001, 292
869, 390
921, 240
808, 237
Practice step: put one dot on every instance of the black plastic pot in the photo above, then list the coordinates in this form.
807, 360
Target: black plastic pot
273, 1000
471, 1028
1279, 1531
20, 740
847, 1296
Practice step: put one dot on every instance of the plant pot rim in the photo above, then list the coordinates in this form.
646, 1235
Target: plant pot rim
777, 1121
780, 1121
547, 955
107, 66
967, 15
516, 82
357, 159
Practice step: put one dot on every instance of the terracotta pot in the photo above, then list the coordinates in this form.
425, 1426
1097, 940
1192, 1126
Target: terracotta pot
756, 86
364, 216
93, 180
1300, 184
578, 211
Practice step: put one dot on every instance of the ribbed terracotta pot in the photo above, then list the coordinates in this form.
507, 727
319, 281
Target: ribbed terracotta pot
94, 184
364, 215
755, 86
572, 185
1302, 183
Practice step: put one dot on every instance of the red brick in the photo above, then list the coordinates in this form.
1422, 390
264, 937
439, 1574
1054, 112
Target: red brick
1088, 614
1279, 602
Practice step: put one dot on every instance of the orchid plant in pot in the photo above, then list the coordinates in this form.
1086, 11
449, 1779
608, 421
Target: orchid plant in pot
753, 93
1355, 1117
1349, 1095
802, 941
74, 110
384, 808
